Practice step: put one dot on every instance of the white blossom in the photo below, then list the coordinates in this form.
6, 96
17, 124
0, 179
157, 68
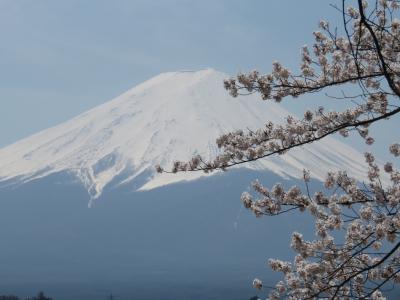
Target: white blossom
257, 283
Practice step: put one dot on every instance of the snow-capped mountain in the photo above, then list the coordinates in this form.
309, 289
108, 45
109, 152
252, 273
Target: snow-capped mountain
169, 117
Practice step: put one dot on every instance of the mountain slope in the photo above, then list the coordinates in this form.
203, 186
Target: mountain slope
169, 117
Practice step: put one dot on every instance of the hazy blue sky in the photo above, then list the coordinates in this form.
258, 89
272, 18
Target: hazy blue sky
60, 58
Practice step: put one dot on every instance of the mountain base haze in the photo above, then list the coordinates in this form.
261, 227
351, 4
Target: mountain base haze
188, 240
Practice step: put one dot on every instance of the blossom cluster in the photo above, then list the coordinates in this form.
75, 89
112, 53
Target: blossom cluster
367, 215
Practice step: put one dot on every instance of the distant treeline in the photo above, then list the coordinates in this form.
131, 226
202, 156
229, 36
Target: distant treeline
40, 296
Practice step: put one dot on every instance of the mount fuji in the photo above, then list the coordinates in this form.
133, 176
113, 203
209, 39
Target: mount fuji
172, 116
187, 236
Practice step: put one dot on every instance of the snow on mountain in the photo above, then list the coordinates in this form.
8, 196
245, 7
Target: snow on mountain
169, 117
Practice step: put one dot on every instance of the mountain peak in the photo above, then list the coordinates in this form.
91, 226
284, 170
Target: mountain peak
169, 117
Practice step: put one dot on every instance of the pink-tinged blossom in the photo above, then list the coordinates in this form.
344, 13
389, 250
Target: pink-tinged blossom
395, 149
